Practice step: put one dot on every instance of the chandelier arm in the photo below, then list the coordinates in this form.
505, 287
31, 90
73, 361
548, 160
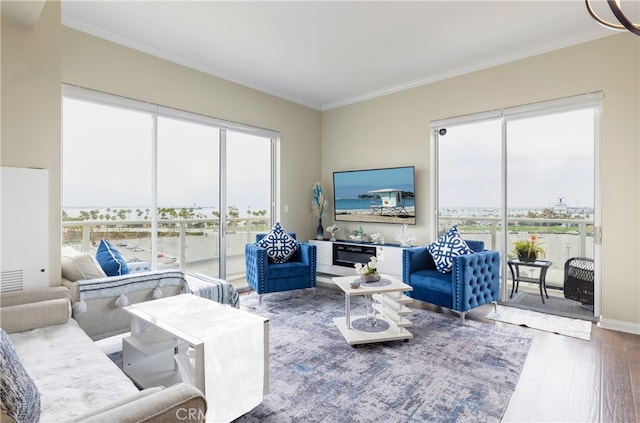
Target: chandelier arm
602, 21
617, 11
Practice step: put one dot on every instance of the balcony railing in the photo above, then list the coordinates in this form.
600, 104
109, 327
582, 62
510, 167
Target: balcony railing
561, 238
188, 244
193, 244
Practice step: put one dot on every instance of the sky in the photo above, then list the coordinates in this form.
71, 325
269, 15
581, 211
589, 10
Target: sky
548, 158
111, 149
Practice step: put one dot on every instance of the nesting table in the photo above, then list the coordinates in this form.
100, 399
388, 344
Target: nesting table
389, 303
221, 350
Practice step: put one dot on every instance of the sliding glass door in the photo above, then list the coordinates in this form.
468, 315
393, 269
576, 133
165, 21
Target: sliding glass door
469, 179
248, 194
169, 188
521, 172
188, 196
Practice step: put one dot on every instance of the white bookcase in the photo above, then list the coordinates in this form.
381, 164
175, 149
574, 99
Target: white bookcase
391, 265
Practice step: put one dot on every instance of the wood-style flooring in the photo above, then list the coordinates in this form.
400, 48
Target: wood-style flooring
571, 380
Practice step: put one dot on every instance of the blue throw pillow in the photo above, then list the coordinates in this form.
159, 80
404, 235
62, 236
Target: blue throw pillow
447, 247
111, 260
19, 394
279, 244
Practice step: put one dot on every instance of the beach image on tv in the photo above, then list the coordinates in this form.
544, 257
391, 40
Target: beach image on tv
375, 195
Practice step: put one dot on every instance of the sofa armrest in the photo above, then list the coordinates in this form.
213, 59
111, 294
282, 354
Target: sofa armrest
476, 278
181, 402
22, 317
256, 265
308, 255
415, 259
307, 252
113, 286
34, 296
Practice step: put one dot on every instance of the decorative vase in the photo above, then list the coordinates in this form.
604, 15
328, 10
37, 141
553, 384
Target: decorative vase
320, 230
371, 277
527, 256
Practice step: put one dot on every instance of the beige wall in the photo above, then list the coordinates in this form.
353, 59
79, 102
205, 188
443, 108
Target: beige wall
31, 116
394, 130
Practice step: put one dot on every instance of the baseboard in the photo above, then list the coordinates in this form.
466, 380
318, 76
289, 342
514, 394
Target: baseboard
619, 325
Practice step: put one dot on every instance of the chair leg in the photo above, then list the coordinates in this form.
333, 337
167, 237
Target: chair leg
259, 300
495, 306
462, 314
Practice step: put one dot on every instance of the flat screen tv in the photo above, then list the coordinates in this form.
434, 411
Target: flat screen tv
375, 195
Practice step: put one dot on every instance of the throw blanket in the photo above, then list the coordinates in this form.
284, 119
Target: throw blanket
212, 289
119, 286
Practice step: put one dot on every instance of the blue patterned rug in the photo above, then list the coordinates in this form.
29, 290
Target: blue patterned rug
449, 371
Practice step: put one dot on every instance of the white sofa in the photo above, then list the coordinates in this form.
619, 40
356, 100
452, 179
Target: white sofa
97, 299
74, 379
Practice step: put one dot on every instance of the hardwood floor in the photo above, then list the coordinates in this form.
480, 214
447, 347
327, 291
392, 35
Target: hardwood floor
571, 380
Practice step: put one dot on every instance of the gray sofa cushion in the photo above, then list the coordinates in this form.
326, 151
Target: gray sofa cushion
35, 315
19, 394
72, 374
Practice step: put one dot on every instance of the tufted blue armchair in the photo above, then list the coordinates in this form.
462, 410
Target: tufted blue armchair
473, 281
265, 276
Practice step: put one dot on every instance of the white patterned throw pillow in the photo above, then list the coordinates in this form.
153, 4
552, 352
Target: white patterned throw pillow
447, 247
279, 244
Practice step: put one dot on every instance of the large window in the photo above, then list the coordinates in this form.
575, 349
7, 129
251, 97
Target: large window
168, 188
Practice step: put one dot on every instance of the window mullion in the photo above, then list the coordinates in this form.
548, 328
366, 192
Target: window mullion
154, 192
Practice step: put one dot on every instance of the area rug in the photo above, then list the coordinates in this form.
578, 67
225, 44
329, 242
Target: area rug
558, 306
557, 324
449, 371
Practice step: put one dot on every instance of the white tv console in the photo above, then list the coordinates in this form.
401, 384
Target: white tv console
326, 270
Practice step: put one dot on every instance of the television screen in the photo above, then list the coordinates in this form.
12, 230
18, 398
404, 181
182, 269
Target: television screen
375, 195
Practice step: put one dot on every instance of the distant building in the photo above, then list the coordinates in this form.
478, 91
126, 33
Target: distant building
560, 206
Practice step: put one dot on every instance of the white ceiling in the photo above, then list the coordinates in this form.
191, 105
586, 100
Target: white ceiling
324, 54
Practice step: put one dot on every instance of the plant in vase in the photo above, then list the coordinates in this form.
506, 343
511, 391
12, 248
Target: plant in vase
369, 272
358, 235
318, 204
332, 231
528, 249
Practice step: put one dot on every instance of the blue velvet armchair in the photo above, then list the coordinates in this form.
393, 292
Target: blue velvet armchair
265, 276
473, 281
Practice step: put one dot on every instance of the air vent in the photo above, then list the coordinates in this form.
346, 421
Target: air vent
11, 280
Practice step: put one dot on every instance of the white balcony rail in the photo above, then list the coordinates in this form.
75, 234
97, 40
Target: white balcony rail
561, 238
189, 243
541, 224
186, 243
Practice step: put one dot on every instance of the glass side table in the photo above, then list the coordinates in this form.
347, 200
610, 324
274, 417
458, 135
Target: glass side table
543, 265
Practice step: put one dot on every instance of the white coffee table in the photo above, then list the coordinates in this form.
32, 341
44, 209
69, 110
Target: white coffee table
390, 303
229, 350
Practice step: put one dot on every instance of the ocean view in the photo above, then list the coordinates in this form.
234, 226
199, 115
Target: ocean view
142, 213
355, 204
569, 235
